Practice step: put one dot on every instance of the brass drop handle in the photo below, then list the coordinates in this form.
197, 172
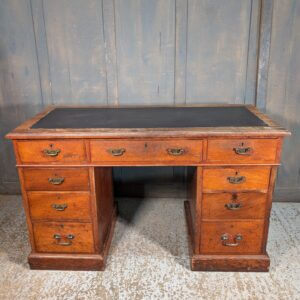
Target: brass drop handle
236, 179
175, 151
237, 240
58, 239
117, 152
233, 206
51, 152
59, 207
243, 150
56, 180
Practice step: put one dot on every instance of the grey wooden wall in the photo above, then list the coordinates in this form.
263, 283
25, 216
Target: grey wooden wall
149, 52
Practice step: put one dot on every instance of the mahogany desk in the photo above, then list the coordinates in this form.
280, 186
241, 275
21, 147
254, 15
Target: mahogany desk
65, 158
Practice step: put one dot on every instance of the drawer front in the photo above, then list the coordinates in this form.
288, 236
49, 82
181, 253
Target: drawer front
225, 237
59, 205
51, 152
236, 179
234, 205
56, 179
146, 151
242, 151
63, 237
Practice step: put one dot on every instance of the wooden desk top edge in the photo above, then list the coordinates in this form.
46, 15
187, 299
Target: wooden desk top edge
24, 131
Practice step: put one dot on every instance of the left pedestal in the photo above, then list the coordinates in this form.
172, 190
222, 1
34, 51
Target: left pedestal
70, 214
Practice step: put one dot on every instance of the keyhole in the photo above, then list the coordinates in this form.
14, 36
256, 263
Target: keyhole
146, 145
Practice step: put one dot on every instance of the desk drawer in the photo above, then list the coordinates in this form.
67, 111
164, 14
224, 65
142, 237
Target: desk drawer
236, 179
242, 150
56, 179
63, 237
51, 152
146, 151
226, 237
234, 205
59, 205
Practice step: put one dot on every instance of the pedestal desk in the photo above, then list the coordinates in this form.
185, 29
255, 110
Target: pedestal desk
65, 157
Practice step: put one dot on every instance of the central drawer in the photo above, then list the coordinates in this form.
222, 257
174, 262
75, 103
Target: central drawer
63, 237
236, 179
56, 179
172, 151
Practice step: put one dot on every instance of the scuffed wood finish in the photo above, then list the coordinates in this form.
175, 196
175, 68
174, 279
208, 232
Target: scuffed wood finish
34, 152
82, 241
146, 150
71, 262
218, 179
249, 205
72, 179
222, 262
251, 232
230, 193
105, 206
59, 206
239, 263
257, 151
24, 131
194, 201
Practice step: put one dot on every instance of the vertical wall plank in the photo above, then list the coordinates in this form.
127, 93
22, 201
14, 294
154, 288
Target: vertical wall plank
110, 51
264, 52
20, 88
38, 20
252, 63
145, 34
181, 22
75, 39
217, 50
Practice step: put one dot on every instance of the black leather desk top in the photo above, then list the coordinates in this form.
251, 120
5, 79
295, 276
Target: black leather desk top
151, 117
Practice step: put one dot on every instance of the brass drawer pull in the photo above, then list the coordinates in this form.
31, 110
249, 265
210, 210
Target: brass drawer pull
243, 150
56, 180
58, 239
116, 152
175, 151
237, 240
59, 207
51, 152
233, 206
236, 180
